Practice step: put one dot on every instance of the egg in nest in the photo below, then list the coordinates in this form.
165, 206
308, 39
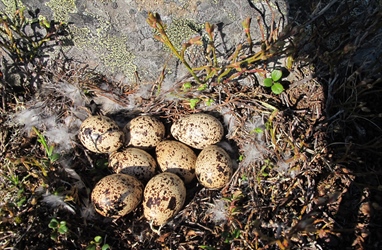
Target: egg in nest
117, 195
144, 132
213, 167
100, 134
198, 130
163, 197
133, 161
177, 158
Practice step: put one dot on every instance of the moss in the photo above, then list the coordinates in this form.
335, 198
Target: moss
61, 9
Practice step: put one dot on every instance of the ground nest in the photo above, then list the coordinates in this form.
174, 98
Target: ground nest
308, 159
275, 140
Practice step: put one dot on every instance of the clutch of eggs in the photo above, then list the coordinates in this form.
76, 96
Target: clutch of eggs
164, 194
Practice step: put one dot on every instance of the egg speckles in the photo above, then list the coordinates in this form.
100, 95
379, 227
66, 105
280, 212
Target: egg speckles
144, 132
213, 167
177, 158
198, 130
133, 161
117, 195
100, 134
164, 196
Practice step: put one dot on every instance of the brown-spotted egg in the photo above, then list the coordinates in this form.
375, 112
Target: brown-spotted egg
133, 161
213, 167
198, 130
163, 197
100, 134
117, 195
177, 158
144, 132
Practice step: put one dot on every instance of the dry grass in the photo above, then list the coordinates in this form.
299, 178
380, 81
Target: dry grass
308, 172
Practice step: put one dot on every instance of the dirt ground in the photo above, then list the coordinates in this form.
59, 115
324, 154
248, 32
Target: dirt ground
308, 161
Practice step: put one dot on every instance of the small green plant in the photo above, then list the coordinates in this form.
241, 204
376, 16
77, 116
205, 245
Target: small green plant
59, 229
16, 184
20, 45
274, 82
265, 169
155, 21
96, 244
230, 236
233, 208
240, 63
48, 149
206, 247
194, 102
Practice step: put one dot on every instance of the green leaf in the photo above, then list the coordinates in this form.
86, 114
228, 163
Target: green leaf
257, 131
202, 87
105, 247
209, 102
276, 75
236, 233
54, 157
268, 82
21, 202
53, 236
49, 150
193, 102
63, 229
206, 247
91, 247
244, 177
187, 85
53, 223
98, 239
277, 88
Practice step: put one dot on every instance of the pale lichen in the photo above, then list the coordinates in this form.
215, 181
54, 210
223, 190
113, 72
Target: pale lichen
80, 36
110, 49
12, 5
115, 56
62, 8
180, 30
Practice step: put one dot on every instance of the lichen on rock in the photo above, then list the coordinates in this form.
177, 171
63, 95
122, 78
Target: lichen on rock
12, 5
180, 30
62, 8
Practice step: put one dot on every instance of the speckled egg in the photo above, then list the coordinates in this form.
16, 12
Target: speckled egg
144, 132
213, 167
177, 158
198, 130
163, 197
117, 195
100, 134
133, 161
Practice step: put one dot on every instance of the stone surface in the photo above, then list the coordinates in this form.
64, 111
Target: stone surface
114, 37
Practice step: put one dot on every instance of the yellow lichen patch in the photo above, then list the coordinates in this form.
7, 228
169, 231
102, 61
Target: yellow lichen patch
11, 6
62, 8
115, 56
179, 9
180, 30
111, 50
80, 36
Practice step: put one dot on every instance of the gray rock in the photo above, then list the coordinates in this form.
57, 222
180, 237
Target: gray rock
114, 37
